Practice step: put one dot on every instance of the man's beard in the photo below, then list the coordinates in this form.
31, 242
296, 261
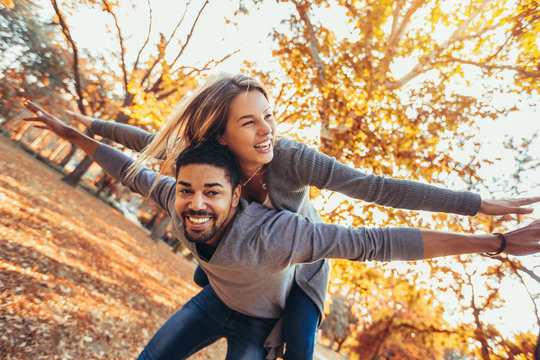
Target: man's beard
200, 237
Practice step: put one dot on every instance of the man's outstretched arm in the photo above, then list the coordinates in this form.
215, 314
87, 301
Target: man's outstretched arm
521, 241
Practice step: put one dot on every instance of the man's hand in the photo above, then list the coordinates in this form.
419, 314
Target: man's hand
509, 206
523, 241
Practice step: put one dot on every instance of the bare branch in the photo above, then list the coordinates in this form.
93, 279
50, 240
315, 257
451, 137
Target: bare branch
313, 46
319, 66
516, 272
122, 48
211, 63
158, 58
147, 36
425, 60
395, 18
398, 30
497, 67
167, 94
76, 73
398, 35
190, 34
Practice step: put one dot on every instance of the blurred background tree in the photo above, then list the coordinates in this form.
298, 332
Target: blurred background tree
402, 88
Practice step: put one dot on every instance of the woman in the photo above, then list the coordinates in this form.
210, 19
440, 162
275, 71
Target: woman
277, 172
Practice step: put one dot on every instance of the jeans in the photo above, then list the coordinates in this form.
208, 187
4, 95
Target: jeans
202, 321
300, 322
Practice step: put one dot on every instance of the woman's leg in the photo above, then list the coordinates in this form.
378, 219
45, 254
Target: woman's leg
301, 321
246, 336
200, 277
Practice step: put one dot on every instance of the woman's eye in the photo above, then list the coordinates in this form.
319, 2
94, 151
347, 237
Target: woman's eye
247, 123
269, 116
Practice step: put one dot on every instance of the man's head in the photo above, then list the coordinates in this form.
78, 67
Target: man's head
207, 191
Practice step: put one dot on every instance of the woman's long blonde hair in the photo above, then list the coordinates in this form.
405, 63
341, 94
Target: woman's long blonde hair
199, 118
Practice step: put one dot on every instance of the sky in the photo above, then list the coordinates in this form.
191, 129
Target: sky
214, 38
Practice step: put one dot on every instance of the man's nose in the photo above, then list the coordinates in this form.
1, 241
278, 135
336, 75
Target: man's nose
197, 202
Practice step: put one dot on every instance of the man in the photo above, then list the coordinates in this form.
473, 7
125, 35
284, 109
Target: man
248, 251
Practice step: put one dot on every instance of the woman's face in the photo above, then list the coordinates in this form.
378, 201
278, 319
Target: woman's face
250, 130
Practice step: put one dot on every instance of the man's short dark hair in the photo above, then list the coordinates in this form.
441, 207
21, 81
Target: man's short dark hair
211, 153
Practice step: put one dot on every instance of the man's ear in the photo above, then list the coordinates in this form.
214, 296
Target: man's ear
237, 192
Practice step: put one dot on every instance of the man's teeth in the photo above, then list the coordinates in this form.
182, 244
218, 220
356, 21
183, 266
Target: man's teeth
264, 145
198, 220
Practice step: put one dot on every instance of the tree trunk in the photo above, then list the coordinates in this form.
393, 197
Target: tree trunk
19, 133
537, 350
73, 178
383, 337
58, 151
38, 141
159, 226
69, 155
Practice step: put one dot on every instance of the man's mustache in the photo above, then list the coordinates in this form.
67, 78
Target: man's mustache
199, 213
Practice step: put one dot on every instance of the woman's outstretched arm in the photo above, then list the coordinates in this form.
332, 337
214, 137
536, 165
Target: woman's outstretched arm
310, 167
131, 137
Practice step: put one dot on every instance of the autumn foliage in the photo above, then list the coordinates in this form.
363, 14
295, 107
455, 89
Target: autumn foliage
396, 88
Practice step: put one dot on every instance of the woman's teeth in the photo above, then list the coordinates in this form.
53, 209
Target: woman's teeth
265, 145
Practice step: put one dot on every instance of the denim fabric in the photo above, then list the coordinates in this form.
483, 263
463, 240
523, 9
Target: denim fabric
199, 277
202, 321
300, 324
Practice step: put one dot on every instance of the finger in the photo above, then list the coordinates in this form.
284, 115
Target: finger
527, 201
32, 106
522, 210
31, 119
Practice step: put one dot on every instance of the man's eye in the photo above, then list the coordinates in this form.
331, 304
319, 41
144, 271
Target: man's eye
213, 193
184, 191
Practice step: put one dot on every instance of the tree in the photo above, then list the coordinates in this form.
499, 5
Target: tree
336, 325
400, 87
152, 82
32, 64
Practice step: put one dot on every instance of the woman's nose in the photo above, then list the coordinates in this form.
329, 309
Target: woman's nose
265, 128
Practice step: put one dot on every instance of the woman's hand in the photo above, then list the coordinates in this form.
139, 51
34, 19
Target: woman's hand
80, 118
52, 123
47, 121
509, 206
